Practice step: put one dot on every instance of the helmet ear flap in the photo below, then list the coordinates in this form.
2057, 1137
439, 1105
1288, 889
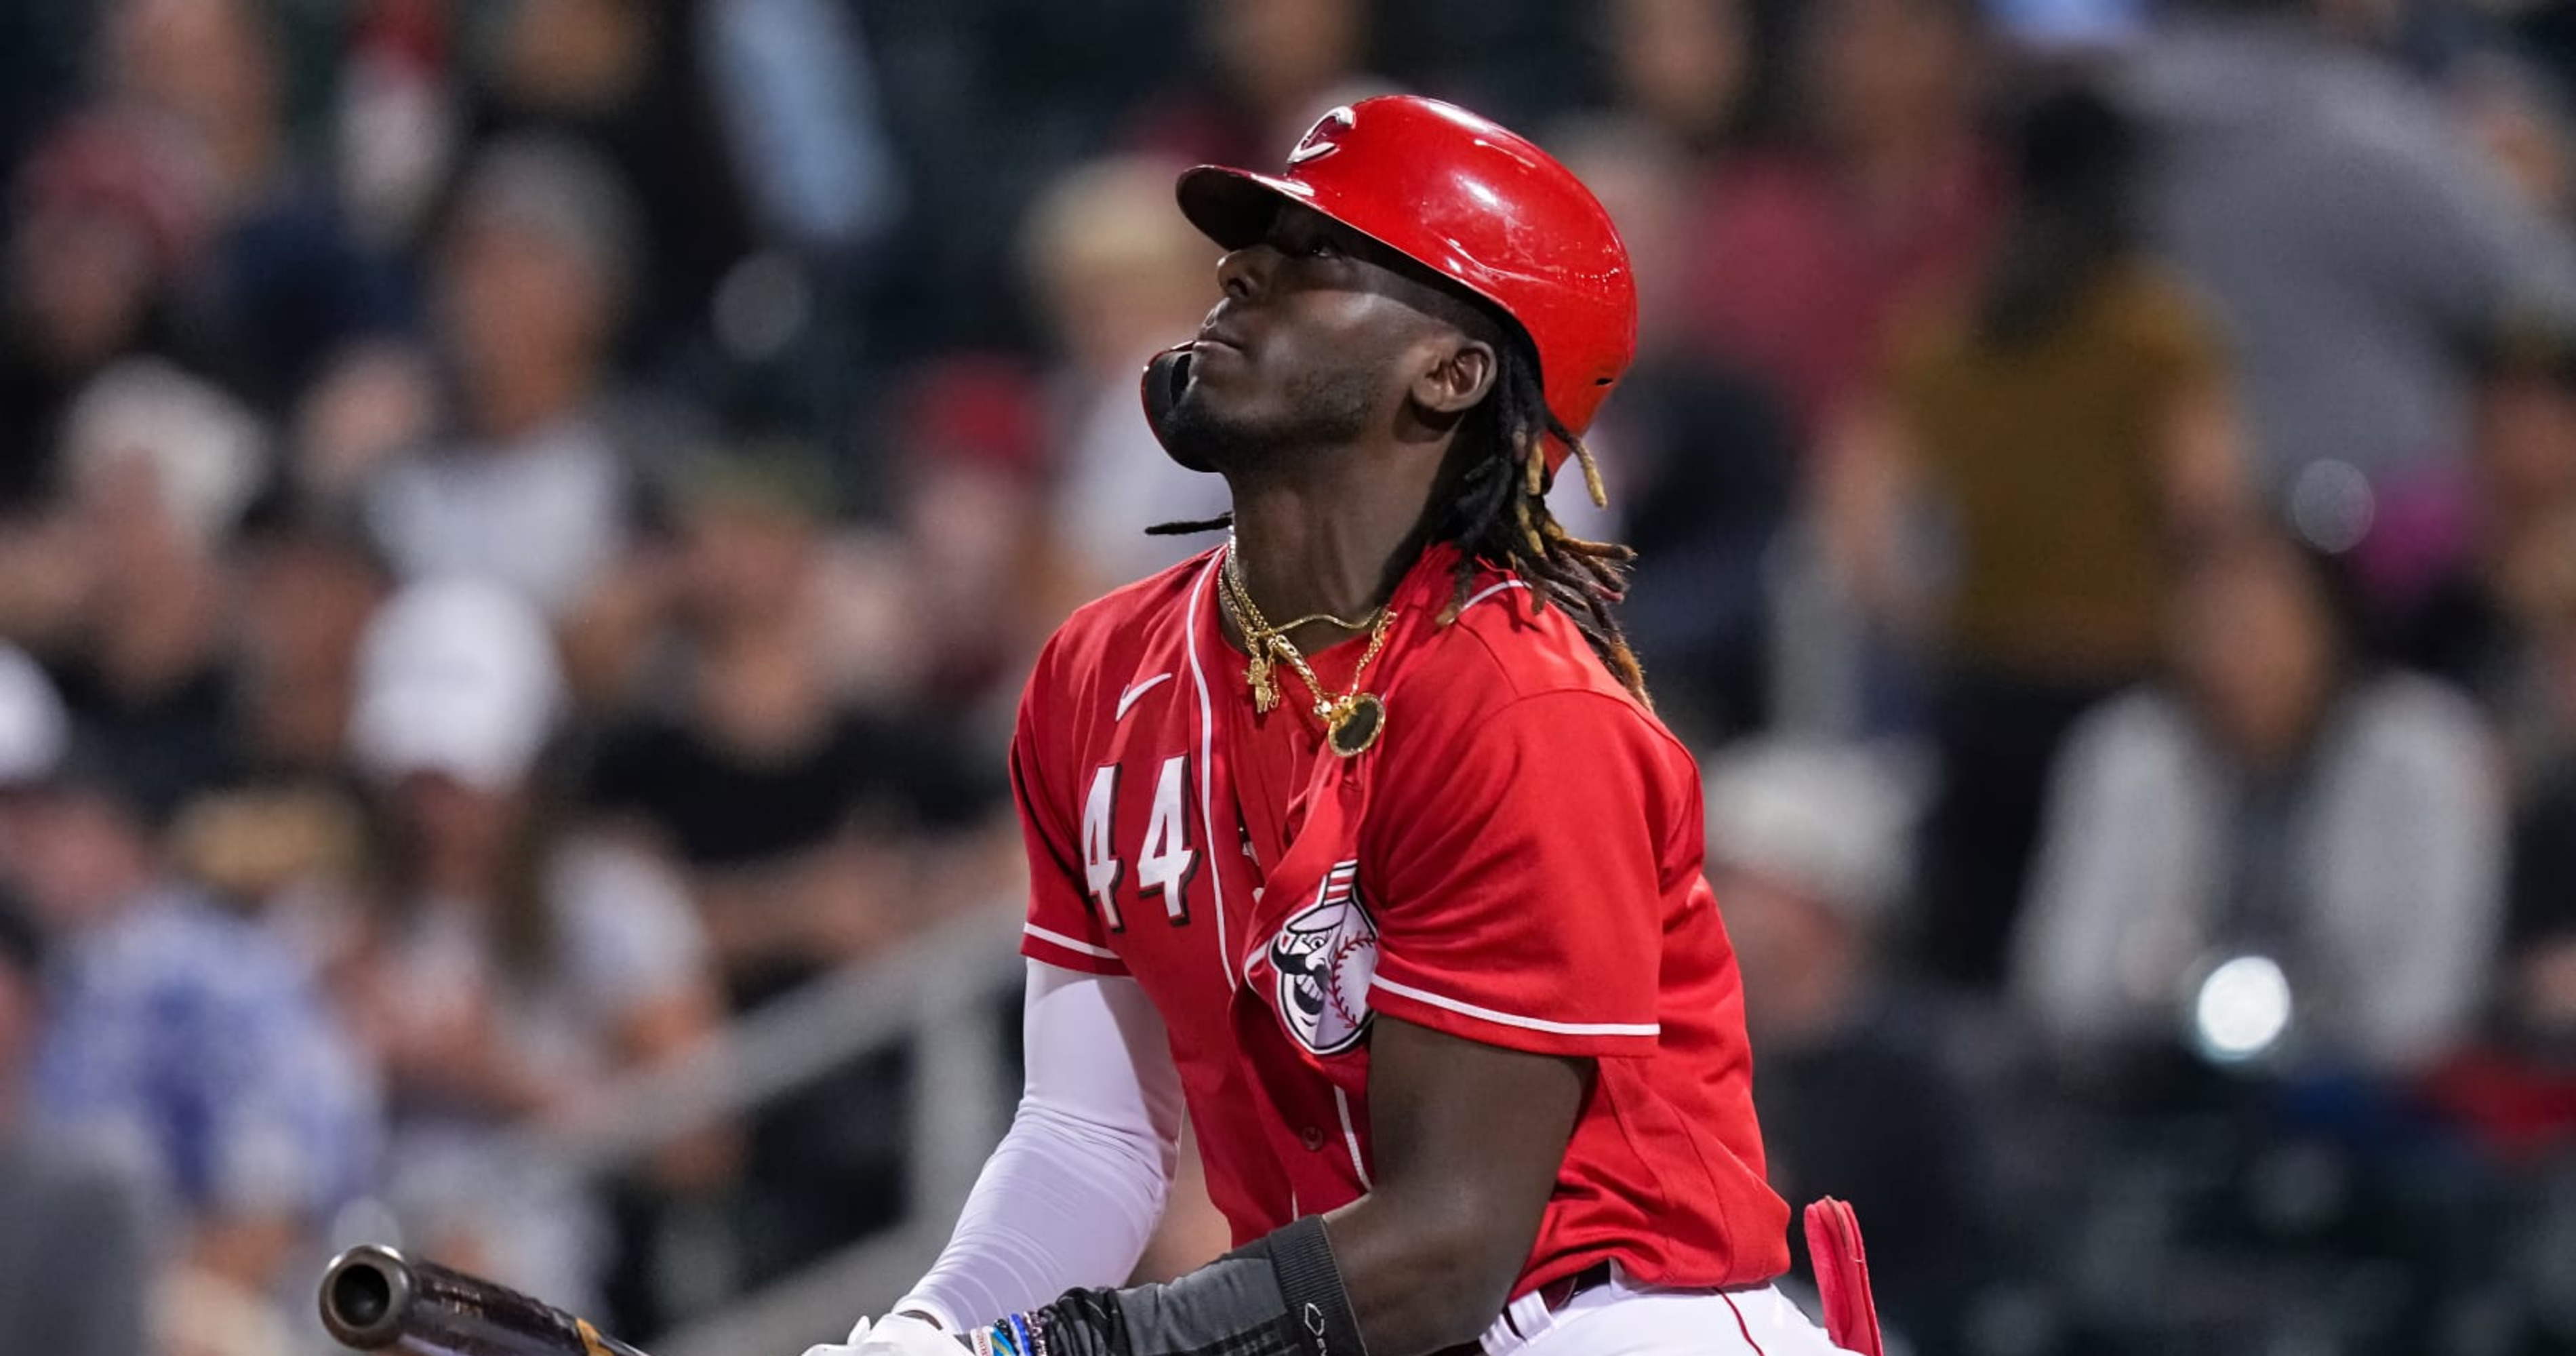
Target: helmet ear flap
1166, 375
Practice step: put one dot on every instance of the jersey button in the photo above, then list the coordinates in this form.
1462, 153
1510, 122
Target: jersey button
1312, 1137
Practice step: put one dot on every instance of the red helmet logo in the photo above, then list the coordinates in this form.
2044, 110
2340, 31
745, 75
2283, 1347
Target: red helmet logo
1318, 141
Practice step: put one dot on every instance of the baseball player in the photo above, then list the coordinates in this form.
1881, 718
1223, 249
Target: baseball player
1356, 836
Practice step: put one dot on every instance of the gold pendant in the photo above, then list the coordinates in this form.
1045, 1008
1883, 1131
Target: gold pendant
1265, 688
1356, 722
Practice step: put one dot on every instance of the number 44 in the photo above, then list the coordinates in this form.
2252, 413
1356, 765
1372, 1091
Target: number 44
1165, 860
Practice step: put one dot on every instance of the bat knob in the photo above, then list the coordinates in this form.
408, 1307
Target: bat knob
365, 1293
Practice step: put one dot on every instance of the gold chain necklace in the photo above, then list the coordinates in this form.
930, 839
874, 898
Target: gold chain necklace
1326, 619
1352, 721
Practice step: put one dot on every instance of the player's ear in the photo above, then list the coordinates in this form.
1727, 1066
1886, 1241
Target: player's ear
1458, 376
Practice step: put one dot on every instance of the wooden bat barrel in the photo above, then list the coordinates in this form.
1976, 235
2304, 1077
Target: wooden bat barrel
375, 1299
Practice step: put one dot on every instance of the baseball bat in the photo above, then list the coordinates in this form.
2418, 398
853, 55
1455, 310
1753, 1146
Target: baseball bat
375, 1299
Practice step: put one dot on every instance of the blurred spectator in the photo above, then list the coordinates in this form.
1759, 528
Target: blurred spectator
192, 1041
74, 1246
537, 490
287, 852
512, 969
2065, 432
813, 831
2482, 623
1690, 69
126, 585
2354, 243
2515, 115
1699, 461
1864, 1091
1884, 196
945, 611
795, 83
1121, 275
1272, 68
304, 593
2276, 854
102, 215
2514, 1089
803, 824
2517, 1088
396, 126
34, 733
376, 401
627, 80
795, 87
281, 285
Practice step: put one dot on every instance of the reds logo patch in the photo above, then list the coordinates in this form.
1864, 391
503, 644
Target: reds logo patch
1325, 957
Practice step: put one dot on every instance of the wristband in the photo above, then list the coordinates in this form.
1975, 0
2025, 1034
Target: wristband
1280, 1295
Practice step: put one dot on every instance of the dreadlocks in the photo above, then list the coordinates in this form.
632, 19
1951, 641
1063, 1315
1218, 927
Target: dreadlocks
1500, 517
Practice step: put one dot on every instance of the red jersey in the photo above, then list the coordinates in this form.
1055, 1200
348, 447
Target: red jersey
1517, 861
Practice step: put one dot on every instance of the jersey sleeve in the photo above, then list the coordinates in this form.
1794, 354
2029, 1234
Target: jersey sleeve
1519, 879
1062, 928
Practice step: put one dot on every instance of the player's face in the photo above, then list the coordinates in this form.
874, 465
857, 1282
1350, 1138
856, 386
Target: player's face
1312, 345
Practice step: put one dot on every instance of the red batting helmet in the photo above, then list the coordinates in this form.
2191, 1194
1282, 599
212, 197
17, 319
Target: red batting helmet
1469, 200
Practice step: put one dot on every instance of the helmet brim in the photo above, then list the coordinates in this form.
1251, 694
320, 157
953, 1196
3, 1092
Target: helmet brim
1235, 207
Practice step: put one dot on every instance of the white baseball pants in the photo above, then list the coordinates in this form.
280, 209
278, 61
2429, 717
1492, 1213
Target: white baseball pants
1624, 1318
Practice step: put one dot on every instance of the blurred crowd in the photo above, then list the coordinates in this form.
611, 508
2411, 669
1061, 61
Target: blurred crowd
522, 523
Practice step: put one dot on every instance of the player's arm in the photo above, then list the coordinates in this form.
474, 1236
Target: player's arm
1468, 1139
1073, 1192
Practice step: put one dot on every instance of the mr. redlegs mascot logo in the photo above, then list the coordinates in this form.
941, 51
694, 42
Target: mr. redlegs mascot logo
1325, 957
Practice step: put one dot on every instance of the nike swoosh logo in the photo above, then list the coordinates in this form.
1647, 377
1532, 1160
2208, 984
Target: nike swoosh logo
1128, 698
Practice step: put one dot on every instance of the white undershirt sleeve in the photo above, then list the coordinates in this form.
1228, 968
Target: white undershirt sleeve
1073, 1192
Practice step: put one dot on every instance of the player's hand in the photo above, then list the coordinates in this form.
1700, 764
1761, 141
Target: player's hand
894, 1335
